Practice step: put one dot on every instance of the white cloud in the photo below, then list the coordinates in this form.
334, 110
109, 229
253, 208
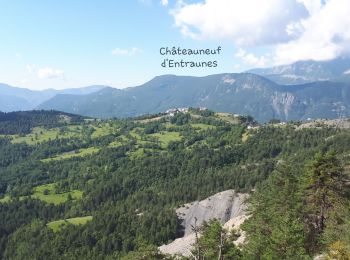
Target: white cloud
346, 72
251, 59
326, 35
248, 22
313, 6
49, 73
294, 29
126, 52
164, 2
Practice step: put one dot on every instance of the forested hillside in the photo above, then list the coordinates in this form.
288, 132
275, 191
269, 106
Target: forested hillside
23, 122
82, 188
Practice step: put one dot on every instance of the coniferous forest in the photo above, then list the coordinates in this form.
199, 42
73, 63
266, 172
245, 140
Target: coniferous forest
81, 188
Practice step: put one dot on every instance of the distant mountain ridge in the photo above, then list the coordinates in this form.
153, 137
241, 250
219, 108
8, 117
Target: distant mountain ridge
243, 93
302, 72
16, 99
302, 90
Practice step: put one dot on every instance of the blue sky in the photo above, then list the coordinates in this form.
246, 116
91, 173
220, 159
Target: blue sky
66, 43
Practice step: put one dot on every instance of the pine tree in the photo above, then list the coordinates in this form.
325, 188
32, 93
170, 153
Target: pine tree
275, 230
215, 242
323, 196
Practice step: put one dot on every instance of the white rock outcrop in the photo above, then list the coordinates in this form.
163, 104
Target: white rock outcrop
228, 207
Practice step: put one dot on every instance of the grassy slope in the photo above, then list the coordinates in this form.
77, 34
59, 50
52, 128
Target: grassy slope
58, 224
79, 153
101, 129
166, 137
52, 197
202, 126
40, 134
5, 199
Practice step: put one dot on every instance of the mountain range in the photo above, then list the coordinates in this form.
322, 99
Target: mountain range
243, 93
301, 72
15, 98
303, 90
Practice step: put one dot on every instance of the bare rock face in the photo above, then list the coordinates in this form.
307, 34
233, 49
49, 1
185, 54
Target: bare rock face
228, 207
222, 206
282, 103
181, 246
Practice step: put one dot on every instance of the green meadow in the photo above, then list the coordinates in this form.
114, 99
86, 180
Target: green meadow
5, 199
202, 126
166, 137
58, 224
48, 194
102, 130
78, 153
40, 134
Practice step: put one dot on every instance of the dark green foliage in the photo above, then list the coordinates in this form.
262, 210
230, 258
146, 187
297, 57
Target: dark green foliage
23, 122
325, 195
299, 212
180, 119
145, 253
132, 197
201, 112
13, 153
18, 213
215, 242
275, 230
152, 128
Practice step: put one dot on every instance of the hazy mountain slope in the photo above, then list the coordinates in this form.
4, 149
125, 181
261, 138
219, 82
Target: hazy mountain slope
82, 90
12, 103
245, 93
312, 100
21, 98
308, 71
14, 98
95, 104
224, 92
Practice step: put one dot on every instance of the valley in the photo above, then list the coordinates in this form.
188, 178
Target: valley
175, 130
120, 187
